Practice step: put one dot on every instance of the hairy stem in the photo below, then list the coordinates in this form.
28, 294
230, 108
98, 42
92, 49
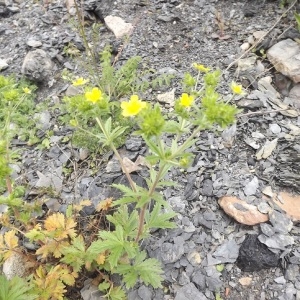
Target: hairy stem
163, 169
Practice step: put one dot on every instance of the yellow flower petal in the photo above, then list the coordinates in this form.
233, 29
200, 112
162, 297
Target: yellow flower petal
236, 88
26, 90
94, 95
80, 81
186, 100
201, 68
133, 106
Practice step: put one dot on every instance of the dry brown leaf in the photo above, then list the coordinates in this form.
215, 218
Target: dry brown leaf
104, 204
131, 166
11, 240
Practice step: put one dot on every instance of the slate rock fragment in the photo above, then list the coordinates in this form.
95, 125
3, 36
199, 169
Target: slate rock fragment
189, 292
170, 253
207, 188
227, 252
255, 256
145, 292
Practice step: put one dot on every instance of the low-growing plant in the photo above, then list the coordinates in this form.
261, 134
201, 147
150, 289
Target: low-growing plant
199, 107
113, 84
65, 246
16, 104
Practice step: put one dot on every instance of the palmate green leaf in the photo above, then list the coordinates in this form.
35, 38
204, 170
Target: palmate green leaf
125, 189
116, 293
140, 196
164, 183
124, 200
15, 289
112, 241
74, 254
158, 219
128, 222
147, 270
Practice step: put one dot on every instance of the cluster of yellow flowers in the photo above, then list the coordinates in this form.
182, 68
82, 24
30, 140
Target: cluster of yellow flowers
134, 106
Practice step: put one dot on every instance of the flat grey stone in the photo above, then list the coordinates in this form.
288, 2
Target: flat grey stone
285, 57
177, 204
170, 253
267, 229
43, 120
275, 128
207, 188
183, 279
280, 280
277, 241
291, 272
133, 143
145, 293
214, 283
280, 221
34, 43
227, 252
199, 279
251, 187
189, 292
3, 64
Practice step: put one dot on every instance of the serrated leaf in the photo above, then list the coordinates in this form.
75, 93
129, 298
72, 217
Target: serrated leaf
112, 241
15, 289
159, 219
52, 247
60, 226
103, 286
116, 293
122, 218
35, 235
147, 270
74, 254
11, 240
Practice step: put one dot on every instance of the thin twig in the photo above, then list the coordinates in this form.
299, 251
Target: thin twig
259, 40
263, 112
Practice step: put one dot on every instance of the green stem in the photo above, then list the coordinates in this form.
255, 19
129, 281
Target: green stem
182, 147
113, 148
162, 171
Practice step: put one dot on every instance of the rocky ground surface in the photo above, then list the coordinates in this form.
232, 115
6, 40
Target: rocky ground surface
237, 204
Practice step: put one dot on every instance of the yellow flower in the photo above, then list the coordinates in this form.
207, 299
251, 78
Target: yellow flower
186, 100
236, 88
73, 123
80, 81
26, 90
200, 68
133, 106
94, 95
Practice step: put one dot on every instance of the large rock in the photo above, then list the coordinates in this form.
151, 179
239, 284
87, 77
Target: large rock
290, 204
37, 65
241, 211
285, 56
118, 26
15, 265
255, 256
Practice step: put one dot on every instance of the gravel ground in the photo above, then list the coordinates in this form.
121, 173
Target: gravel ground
170, 35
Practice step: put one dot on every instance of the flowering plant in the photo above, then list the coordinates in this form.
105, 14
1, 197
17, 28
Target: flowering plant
199, 107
